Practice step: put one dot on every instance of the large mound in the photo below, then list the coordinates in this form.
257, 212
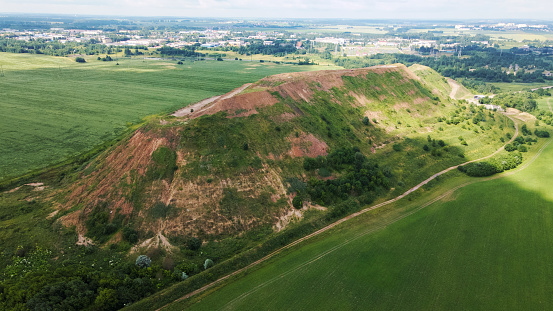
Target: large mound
236, 164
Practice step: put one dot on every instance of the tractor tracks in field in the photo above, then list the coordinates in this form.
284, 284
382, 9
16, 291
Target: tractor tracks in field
363, 211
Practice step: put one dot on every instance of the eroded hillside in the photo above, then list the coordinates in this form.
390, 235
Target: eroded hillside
236, 165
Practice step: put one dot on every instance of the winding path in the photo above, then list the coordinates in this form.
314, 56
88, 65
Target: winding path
334, 224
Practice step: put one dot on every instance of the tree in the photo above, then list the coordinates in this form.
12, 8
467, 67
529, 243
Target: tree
194, 244
106, 299
80, 60
297, 202
143, 261
366, 121
208, 263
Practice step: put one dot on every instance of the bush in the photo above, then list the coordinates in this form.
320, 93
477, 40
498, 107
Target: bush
143, 261
542, 134
208, 263
397, 147
522, 148
130, 235
324, 172
479, 169
366, 121
194, 244
297, 202
80, 60
510, 147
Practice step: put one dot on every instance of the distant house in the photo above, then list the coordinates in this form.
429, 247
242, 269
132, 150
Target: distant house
268, 43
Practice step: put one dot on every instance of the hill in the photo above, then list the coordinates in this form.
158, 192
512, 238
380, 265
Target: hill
244, 174
222, 168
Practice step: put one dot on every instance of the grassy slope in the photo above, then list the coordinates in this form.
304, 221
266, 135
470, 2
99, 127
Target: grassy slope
489, 248
55, 108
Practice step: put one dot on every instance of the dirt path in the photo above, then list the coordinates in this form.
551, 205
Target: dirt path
201, 104
454, 88
348, 218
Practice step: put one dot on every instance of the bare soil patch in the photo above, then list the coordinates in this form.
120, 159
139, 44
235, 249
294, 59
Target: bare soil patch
307, 145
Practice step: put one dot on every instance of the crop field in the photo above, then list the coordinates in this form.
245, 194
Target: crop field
54, 108
486, 246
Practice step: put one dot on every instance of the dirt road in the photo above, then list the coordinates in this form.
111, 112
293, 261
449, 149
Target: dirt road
200, 105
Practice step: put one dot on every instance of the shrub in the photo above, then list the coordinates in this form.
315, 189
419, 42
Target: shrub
510, 147
479, 169
522, 148
542, 134
324, 172
208, 263
143, 261
397, 147
130, 235
297, 202
80, 60
194, 244
366, 121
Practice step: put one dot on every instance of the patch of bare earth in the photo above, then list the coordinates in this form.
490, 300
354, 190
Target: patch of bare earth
307, 145
158, 241
375, 115
84, 241
123, 166
197, 202
523, 116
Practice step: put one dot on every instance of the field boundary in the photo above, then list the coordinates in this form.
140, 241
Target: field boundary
351, 216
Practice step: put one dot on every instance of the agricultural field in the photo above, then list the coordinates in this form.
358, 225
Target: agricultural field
485, 246
55, 108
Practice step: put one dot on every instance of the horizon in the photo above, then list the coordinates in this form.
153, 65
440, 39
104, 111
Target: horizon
412, 10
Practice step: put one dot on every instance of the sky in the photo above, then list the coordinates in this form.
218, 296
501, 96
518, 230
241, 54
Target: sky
359, 9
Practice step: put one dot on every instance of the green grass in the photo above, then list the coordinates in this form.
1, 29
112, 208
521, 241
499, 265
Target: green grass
515, 87
543, 103
487, 247
55, 108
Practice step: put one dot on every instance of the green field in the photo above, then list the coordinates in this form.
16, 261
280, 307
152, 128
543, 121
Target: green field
487, 246
545, 104
55, 108
515, 87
